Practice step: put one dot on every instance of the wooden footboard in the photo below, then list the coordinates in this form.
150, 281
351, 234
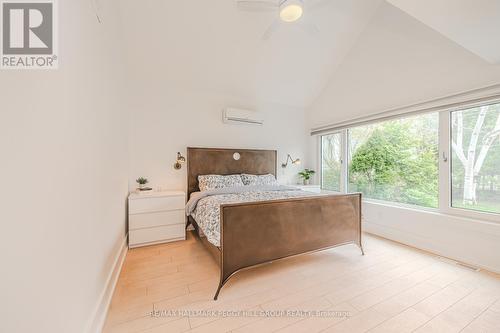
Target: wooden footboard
261, 232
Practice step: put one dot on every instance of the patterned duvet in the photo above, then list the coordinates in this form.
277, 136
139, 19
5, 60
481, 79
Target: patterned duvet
206, 210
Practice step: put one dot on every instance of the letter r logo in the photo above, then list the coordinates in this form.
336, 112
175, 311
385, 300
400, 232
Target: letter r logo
27, 28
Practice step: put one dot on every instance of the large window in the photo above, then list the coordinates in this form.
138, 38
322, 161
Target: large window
475, 170
396, 160
331, 162
448, 160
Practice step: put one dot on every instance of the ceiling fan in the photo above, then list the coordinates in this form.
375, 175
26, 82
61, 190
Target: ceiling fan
289, 11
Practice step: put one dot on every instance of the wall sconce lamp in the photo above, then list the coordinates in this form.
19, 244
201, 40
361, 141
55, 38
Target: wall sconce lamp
180, 159
289, 158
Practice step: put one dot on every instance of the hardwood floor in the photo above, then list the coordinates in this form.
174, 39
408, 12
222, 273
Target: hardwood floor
393, 288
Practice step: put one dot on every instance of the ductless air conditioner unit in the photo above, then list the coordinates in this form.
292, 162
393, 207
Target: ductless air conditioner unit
242, 117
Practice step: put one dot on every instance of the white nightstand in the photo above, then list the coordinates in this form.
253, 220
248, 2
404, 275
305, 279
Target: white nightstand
156, 217
308, 188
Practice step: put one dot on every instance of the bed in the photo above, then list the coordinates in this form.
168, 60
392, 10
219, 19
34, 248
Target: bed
264, 224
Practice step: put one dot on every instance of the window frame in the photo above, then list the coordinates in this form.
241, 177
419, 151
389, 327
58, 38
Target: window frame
444, 166
445, 180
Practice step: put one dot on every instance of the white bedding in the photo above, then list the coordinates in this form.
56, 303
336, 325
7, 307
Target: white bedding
204, 206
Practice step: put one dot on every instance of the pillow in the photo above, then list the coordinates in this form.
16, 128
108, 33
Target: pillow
212, 182
259, 180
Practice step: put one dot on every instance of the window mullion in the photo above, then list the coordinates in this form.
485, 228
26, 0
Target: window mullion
344, 178
444, 162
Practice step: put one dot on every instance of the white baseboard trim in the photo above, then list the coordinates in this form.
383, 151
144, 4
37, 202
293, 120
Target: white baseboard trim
98, 317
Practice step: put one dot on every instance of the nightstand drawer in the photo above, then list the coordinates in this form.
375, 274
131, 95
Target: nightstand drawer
157, 234
144, 205
156, 219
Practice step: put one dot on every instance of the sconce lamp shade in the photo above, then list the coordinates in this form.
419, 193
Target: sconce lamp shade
180, 159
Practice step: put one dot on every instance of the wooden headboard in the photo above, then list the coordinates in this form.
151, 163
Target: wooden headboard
219, 161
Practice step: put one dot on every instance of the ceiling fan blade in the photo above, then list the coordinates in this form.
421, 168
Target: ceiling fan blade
271, 30
257, 5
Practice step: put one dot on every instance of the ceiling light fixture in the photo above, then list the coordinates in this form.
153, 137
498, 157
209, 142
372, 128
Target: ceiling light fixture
291, 10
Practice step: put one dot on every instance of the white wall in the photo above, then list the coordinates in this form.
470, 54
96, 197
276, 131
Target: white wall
164, 123
393, 67
398, 61
472, 241
185, 66
64, 168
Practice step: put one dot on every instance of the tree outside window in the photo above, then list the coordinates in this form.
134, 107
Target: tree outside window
396, 160
331, 161
476, 158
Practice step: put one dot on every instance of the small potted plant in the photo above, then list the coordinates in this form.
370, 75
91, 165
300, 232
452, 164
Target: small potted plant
142, 183
306, 175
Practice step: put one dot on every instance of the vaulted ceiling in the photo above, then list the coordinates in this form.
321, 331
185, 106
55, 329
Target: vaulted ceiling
213, 46
475, 25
